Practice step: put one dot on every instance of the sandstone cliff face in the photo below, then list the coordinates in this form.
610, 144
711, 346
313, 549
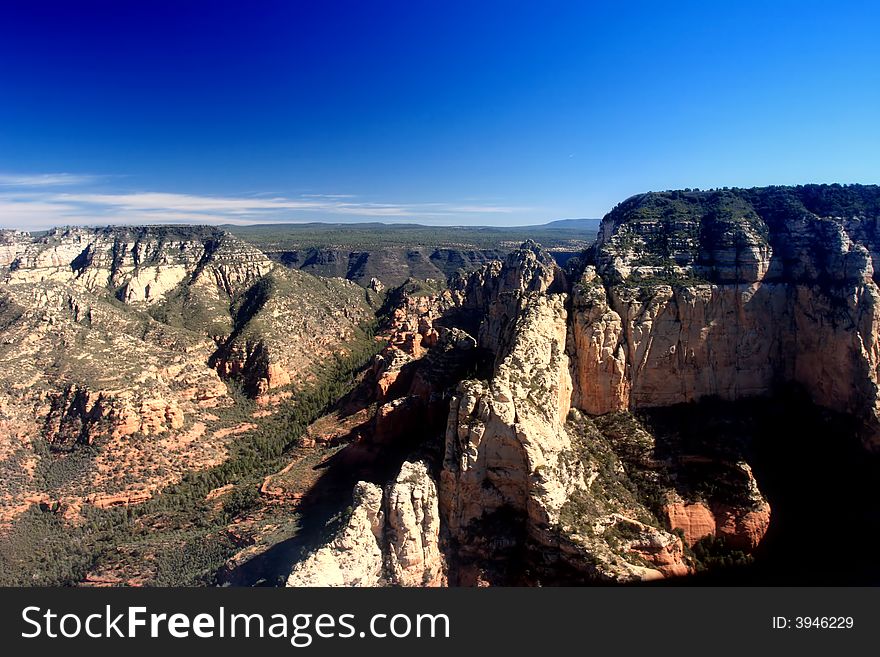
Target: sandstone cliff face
141, 264
391, 538
504, 440
727, 294
600, 365
741, 529
510, 466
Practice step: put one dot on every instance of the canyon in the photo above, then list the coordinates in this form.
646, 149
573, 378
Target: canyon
620, 416
125, 339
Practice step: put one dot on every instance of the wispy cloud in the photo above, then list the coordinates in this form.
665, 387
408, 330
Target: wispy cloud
44, 179
327, 195
30, 202
158, 201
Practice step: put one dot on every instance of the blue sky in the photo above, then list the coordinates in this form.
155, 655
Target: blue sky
438, 112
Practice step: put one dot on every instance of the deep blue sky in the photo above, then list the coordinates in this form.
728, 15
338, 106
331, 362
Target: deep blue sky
440, 112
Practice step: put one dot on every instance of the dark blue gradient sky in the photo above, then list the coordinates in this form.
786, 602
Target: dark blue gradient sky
439, 112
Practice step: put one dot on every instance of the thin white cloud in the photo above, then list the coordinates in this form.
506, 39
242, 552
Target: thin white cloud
221, 205
17, 213
32, 205
207, 204
328, 195
44, 179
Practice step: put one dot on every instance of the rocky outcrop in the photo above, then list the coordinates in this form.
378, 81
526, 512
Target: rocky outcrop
413, 529
397, 419
415, 309
695, 520
354, 556
510, 466
740, 527
79, 415
388, 368
13, 243
662, 551
389, 538
504, 440
729, 294
600, 366
251, 362
125, 499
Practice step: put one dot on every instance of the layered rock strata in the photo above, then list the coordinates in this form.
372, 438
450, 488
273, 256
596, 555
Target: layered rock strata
730, 294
